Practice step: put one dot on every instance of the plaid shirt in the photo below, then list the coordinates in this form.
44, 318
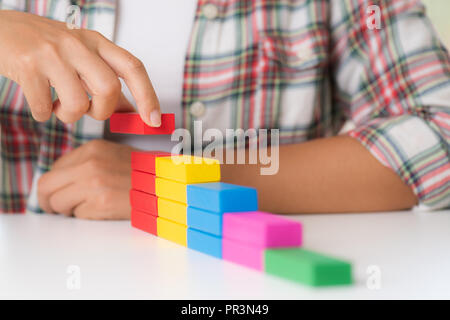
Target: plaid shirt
306, 67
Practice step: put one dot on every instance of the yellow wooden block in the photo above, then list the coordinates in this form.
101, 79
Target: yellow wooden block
171, 190
172, 231
172, 210
188, 169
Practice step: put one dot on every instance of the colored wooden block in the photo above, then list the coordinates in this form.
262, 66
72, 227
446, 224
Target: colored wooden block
172, 210
188, 169
243, 254
204, 242
172, 231
145, 160
143, 221
222, 197
132, 123
144, 202
262, 229
307, 267
206, 221
171, 190
143, 181
125, 122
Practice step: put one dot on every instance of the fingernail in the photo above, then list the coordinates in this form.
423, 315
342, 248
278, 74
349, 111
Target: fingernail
155, 118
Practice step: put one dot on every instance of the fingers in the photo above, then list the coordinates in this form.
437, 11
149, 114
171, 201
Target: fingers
86, 62
60, 190
37, 92
51, 182
73, 101
100, 151
65, 200
103, 202
111, 204
101, 82
132, 70
55, 180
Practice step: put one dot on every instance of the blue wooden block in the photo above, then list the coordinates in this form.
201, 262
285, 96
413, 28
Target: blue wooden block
204, 242
222, 197
206, 221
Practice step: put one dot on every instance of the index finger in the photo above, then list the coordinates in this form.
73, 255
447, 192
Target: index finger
132, 70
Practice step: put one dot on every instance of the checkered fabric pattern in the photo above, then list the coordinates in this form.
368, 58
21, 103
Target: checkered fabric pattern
306, 67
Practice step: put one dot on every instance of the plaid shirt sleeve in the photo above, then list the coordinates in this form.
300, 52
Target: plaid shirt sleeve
394, 85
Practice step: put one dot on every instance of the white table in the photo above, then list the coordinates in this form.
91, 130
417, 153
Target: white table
411, 250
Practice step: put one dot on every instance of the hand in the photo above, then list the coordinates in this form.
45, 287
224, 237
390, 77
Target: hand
90, 182
76, 63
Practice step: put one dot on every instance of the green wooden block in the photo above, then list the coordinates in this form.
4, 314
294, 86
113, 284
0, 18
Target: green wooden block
307, 267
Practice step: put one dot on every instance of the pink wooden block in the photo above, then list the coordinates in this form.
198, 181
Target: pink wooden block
243, 254
262, 229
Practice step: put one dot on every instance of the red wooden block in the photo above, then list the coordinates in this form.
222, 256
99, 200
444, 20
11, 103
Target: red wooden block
143, 221
125, 122
143, 181
131, 122
145, 160
144, 202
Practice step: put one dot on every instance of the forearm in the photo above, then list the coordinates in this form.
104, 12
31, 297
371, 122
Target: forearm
325, 175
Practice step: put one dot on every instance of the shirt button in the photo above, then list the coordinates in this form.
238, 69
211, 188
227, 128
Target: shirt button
210, 11
197, 109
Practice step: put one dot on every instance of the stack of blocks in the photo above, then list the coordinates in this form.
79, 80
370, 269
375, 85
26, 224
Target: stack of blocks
187, 204
143, 199
173, 177
180, 198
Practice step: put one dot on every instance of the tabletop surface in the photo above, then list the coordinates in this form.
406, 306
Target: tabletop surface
395, 255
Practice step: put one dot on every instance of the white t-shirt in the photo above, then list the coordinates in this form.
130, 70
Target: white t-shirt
156, 32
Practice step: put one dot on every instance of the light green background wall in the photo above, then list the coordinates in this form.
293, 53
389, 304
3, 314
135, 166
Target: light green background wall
439, 12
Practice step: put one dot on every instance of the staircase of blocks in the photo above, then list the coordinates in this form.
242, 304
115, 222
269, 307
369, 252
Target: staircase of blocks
180, 198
